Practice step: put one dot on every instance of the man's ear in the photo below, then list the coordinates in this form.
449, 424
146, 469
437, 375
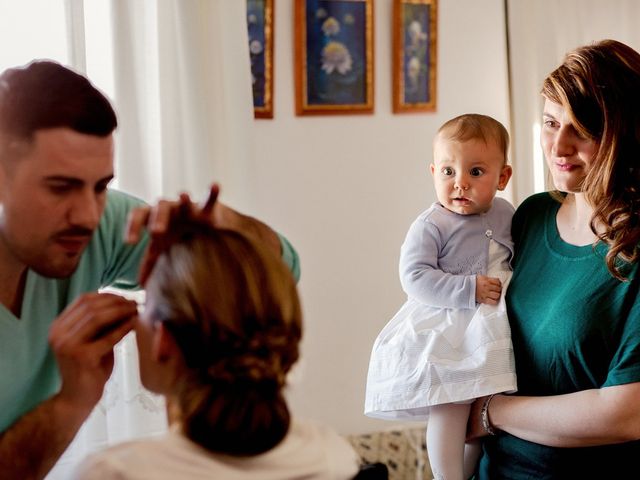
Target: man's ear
505, 175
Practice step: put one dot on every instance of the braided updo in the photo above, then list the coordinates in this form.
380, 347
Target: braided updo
232, 307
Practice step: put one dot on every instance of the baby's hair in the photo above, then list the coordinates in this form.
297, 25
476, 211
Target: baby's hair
474, 126
232, 307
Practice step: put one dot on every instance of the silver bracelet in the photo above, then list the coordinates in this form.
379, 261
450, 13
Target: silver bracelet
484, 416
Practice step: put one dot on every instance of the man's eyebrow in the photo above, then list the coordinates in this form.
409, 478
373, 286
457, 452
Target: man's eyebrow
73, 180
106, 179
63, 179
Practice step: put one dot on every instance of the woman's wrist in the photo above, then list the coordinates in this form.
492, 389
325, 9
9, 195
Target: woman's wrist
485, 417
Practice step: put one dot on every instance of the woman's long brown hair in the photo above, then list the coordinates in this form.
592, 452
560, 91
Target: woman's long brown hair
599, 86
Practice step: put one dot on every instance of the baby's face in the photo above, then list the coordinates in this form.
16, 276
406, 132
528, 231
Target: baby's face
468, 174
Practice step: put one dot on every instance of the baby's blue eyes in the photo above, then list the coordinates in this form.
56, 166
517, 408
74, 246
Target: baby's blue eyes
447, 171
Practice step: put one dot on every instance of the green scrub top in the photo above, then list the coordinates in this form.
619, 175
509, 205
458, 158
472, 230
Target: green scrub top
28, 370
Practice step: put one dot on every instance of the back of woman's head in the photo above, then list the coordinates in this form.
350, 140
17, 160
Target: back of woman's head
599, 86
232, 307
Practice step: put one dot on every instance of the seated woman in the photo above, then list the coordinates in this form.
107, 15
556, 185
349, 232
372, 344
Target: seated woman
219, 333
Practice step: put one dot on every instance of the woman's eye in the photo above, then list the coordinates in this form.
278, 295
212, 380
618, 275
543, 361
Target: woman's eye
448, 171
476, 172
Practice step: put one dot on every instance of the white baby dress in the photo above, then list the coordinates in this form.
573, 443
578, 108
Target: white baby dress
429, 356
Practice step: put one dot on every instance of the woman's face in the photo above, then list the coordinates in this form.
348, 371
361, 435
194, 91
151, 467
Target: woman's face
569, 155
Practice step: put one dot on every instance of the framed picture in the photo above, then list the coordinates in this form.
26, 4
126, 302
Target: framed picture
414, 55
333, 56
260, 24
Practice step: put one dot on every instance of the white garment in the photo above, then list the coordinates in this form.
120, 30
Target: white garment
310, 451
429, 356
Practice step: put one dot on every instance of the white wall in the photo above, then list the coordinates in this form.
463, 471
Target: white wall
344, 189
539, 38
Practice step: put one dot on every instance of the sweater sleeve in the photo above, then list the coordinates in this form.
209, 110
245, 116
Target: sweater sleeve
421, 276
290, 256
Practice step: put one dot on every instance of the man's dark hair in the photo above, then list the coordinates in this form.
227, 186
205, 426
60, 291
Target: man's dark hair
44, 94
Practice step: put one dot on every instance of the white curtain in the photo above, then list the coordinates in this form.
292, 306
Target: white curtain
540, 33
183, 93
179, 75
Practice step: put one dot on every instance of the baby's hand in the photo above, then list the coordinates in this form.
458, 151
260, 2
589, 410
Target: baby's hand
488, 289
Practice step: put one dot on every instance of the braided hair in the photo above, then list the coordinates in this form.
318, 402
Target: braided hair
232, 307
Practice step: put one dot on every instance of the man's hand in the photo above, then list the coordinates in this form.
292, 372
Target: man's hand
158, 219
82, 338
488, 289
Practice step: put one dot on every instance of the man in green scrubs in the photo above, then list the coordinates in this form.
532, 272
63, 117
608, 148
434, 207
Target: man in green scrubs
62, 237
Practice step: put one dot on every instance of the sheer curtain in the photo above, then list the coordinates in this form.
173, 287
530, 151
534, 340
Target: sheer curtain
178, 73
540, 33
182, 87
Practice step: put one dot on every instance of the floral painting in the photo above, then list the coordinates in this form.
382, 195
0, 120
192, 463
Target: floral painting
334, 56
260, 25
414, 55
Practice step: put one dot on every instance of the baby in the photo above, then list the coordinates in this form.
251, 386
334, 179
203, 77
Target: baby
450, 343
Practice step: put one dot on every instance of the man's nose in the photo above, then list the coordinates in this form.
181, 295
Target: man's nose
85, 210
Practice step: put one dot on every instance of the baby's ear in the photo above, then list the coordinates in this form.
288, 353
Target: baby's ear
432, 167
505, 175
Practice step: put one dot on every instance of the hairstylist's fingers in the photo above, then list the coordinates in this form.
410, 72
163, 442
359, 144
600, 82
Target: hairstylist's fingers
207, 208
159, 222
90, 317
160, 217
148, 261
136, 221
107, 341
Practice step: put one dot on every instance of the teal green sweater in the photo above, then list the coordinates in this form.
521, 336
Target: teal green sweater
574, 327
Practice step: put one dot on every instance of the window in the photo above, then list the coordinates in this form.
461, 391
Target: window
34, 29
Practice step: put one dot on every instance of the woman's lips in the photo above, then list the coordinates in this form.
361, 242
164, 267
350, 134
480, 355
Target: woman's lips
566, 167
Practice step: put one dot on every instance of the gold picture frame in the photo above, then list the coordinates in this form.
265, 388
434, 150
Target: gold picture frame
414, 55
334, 56
260, 23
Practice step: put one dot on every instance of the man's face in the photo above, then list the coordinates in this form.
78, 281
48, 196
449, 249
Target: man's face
52, 195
